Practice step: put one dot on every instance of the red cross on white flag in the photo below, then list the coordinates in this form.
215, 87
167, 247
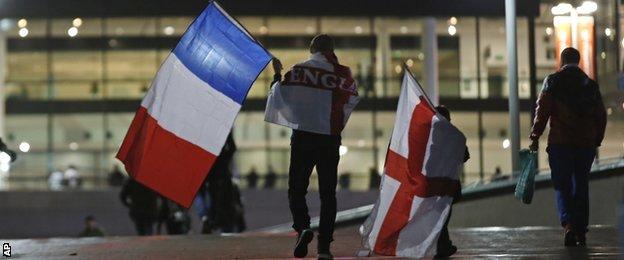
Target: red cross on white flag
420, 178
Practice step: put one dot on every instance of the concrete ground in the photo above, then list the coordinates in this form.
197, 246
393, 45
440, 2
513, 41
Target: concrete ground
525, 242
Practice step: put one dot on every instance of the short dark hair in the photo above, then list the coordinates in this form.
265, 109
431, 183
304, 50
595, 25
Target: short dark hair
570, 56
322, 43
89, 218
444, 112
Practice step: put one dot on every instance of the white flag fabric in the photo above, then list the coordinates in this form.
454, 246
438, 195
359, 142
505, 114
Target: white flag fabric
316, 96
420, 179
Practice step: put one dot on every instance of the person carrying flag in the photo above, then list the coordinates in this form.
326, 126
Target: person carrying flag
420, 180
445, 247
315, 99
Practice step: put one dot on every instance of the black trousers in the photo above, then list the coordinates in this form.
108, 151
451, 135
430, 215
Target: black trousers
222, 210
303, 158
144, 225
444, 240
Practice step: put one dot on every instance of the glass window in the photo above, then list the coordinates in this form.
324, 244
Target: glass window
132, 65
30, 129
26, 75
249, 135
254, 24
127, 89
496, 143
292, 25
79, 65
398, 26
25, 28
77, 74
345, 26
448, 63
85, 130
78, 141
494, 58
357, 156
27, 66
174, 26
84, 27
118, 124
124, 26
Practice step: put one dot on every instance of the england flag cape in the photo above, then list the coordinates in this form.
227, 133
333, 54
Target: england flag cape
316, 96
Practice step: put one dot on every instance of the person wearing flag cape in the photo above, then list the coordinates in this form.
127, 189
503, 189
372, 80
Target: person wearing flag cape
420, 180
315, 99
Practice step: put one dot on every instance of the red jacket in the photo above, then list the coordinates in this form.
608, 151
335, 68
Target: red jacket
573, 104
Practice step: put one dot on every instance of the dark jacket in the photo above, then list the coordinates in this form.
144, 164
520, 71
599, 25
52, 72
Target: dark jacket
573, 104
221, 168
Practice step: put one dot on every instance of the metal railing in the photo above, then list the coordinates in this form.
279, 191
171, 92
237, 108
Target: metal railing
359, 214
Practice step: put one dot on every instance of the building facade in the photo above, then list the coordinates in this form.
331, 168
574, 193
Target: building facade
75, 74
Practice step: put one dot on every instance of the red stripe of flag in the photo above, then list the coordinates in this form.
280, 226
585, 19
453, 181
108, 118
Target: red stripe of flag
153, 155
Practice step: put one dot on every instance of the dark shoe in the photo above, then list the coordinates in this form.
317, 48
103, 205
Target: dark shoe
206, 226
581, 240
323, 251
325, 256
301, 247
569, 239
446, 251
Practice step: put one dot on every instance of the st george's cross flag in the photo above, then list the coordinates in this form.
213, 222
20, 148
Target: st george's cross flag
420, 178
188, 112
316, 96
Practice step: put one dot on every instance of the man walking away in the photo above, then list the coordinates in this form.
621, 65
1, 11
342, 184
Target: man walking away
573, 104
445, 245
142, 203
321, 73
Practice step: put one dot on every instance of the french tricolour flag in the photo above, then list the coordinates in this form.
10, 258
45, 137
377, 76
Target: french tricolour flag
186, 116
420, 178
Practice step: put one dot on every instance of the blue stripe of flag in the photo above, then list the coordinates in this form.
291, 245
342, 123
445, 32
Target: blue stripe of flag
217, 51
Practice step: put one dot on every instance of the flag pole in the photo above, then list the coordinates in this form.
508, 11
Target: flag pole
406, 70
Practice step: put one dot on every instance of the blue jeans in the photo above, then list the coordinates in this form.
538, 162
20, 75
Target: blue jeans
570, 168
202, 203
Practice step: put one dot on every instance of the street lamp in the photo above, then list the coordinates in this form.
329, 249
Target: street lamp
562, 9
587, 7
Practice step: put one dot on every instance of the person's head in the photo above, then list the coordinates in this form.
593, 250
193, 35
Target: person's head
444, 112
90, 222
570, 56
322, 43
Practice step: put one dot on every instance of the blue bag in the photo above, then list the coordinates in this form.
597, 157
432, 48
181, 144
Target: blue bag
526, 181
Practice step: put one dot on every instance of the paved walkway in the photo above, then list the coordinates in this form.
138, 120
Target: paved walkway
529, 242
